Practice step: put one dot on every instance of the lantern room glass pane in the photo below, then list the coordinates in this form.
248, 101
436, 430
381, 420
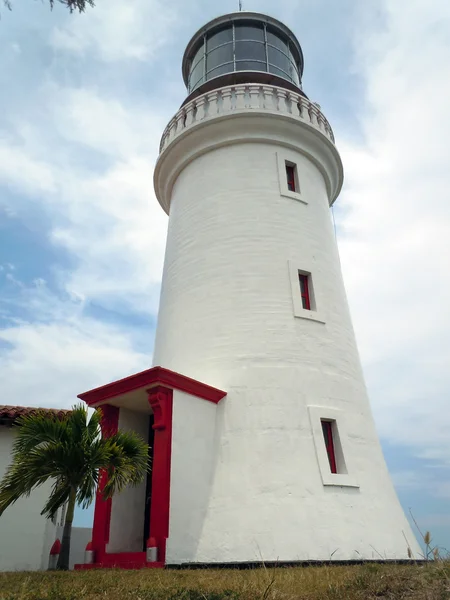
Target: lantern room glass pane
226, 68
292, 57
279, 72
196, 77
219, 56
276, 41
294, 74
198, 55
250, 51
219, 37
250, 65
278, 59
249, 32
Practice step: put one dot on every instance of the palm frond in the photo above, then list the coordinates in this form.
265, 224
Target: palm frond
58, 496
87, 489
32, 469
97, 457
77, 423
128, 462
19, 480
93, 427
39, 428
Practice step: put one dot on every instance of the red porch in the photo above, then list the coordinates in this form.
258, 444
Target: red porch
147, 393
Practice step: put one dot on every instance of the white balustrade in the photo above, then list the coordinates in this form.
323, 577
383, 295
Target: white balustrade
254, 92
201, 108
241, 93
242, 98
227, 101
213, 104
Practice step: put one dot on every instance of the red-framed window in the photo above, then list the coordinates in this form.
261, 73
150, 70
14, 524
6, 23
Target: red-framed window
290, 176
327, 428
304, 290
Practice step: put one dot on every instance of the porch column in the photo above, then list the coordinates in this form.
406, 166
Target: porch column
161, 400
102, 513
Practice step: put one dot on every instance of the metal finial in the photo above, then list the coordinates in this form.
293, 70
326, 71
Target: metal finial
240, 4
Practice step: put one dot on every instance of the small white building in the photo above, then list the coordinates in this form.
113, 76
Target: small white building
26, 537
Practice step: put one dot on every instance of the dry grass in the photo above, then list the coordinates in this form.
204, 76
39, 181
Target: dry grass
356, 582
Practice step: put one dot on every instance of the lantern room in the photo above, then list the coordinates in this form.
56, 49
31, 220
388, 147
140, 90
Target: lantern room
242, 47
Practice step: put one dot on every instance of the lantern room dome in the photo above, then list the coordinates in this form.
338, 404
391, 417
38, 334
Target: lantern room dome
242, 47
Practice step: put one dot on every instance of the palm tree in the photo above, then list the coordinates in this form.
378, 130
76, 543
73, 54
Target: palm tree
71, 453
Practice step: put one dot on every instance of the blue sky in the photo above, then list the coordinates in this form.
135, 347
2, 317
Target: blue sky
84, 101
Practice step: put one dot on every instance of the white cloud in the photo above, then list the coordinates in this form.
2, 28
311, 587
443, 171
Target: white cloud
14, 163
82, 159
117, 233
49, 364
60, 352
82, 115
395, 223
107, 218
117, 30
407, 480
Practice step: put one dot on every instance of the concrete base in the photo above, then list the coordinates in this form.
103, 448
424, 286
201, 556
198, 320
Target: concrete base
246, 565
131, 562
289, 564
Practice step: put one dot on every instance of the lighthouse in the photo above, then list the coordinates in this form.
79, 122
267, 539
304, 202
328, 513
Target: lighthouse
263, 443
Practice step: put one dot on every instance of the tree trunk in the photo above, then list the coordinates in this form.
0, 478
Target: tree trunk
64, 555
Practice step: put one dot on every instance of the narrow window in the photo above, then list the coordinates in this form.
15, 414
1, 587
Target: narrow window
290, 176
327, 428
304, 291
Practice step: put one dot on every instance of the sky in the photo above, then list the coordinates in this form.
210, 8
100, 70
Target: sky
84, 101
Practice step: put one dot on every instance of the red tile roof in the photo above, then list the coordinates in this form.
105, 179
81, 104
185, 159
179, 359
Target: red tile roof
8, 414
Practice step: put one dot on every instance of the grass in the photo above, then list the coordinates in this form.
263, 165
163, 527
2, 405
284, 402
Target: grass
356, 582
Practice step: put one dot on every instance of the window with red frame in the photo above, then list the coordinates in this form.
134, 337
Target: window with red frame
304, 290
290, 176
327, 428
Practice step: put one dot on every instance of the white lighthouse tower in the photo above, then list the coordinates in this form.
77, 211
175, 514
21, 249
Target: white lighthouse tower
274, 455
253, 302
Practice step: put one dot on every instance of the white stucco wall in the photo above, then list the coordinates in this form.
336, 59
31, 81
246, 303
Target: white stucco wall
80, 538
192, 468
227, 318
127, 513
25, 536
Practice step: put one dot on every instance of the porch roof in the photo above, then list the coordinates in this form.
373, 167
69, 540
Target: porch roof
144, 380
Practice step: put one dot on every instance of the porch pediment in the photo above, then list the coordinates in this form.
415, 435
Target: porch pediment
132, 392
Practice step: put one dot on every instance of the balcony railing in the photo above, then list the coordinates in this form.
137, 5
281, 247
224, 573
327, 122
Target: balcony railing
241, 98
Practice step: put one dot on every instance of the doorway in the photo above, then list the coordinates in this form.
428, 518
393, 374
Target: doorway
148, 487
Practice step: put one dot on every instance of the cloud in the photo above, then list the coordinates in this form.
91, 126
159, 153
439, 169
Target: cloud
435, 483
394, 222
14, 163
49, 364
59, 352
407, 480
117, 31
79, 160
105, 215
85, 116
118, 239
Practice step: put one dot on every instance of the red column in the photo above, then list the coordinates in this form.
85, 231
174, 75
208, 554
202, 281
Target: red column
161, 401
102, 513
